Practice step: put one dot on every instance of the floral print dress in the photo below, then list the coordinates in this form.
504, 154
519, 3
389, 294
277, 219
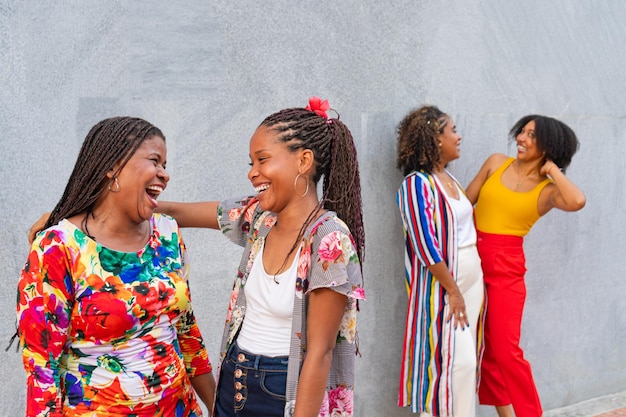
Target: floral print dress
107, 333
327, 259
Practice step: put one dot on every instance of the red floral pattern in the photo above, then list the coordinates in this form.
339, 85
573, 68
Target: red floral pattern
99, 343
327, 259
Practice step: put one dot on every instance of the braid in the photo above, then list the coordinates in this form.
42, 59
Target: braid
300, 128
342, 184
109, 143
335, 158
418, 147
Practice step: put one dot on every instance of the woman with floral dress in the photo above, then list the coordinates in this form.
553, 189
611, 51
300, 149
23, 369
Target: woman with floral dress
104, 311
289, 342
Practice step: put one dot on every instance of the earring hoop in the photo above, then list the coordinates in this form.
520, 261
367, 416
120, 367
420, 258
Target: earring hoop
295, 185
116, 184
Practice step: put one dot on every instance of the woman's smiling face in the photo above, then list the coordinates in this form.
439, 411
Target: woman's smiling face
526, 139
273, 169
450, 142
142, 179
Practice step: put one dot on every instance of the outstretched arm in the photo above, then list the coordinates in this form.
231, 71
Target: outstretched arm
563, 194
199, 214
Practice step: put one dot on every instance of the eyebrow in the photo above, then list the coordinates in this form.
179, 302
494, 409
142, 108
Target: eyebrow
259, 151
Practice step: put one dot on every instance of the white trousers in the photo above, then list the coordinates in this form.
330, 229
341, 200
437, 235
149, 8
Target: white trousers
470, 282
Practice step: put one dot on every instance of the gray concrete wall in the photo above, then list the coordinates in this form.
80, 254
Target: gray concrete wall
207, 72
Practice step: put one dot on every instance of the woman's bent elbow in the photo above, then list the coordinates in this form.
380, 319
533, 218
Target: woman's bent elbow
577, 204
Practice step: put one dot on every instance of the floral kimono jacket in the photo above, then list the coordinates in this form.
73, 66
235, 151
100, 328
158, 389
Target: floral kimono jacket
327, 259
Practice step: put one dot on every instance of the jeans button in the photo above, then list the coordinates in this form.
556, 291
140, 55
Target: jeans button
241, 357
238, 373
238, 386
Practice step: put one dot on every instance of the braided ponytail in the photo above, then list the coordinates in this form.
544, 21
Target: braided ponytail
335, 157
342, 183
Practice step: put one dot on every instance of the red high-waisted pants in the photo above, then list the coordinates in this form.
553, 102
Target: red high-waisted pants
506, 377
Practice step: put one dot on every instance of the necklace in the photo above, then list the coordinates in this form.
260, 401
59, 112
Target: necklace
92, 237
447, 181
278, 272
301, 233
519, 178
89, 235
522, 179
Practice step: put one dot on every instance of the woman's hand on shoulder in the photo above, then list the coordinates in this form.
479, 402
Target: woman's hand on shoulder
37, 227
491, 164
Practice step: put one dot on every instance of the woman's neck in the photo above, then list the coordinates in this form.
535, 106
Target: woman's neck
114, 231
528, 169
441, 168
296, 214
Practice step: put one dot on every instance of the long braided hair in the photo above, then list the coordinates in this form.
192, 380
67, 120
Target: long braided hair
110, 143
418, 146
335, 158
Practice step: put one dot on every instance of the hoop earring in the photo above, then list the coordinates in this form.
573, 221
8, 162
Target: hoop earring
295, 183
117, 186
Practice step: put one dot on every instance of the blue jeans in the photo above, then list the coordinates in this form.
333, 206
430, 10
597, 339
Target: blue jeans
251, 385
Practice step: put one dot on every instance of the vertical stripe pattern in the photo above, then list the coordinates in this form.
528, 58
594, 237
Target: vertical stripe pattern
428, 348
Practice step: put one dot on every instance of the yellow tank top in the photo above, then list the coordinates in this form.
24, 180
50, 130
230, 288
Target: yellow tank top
505, 212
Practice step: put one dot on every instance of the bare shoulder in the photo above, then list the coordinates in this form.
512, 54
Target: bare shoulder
491, 164
494, 161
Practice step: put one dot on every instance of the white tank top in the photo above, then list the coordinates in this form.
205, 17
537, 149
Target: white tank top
466, 232
266, 328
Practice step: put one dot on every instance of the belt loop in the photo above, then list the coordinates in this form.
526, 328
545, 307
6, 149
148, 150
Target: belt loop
257, 360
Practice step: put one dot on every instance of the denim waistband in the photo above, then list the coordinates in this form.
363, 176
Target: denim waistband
263, 363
